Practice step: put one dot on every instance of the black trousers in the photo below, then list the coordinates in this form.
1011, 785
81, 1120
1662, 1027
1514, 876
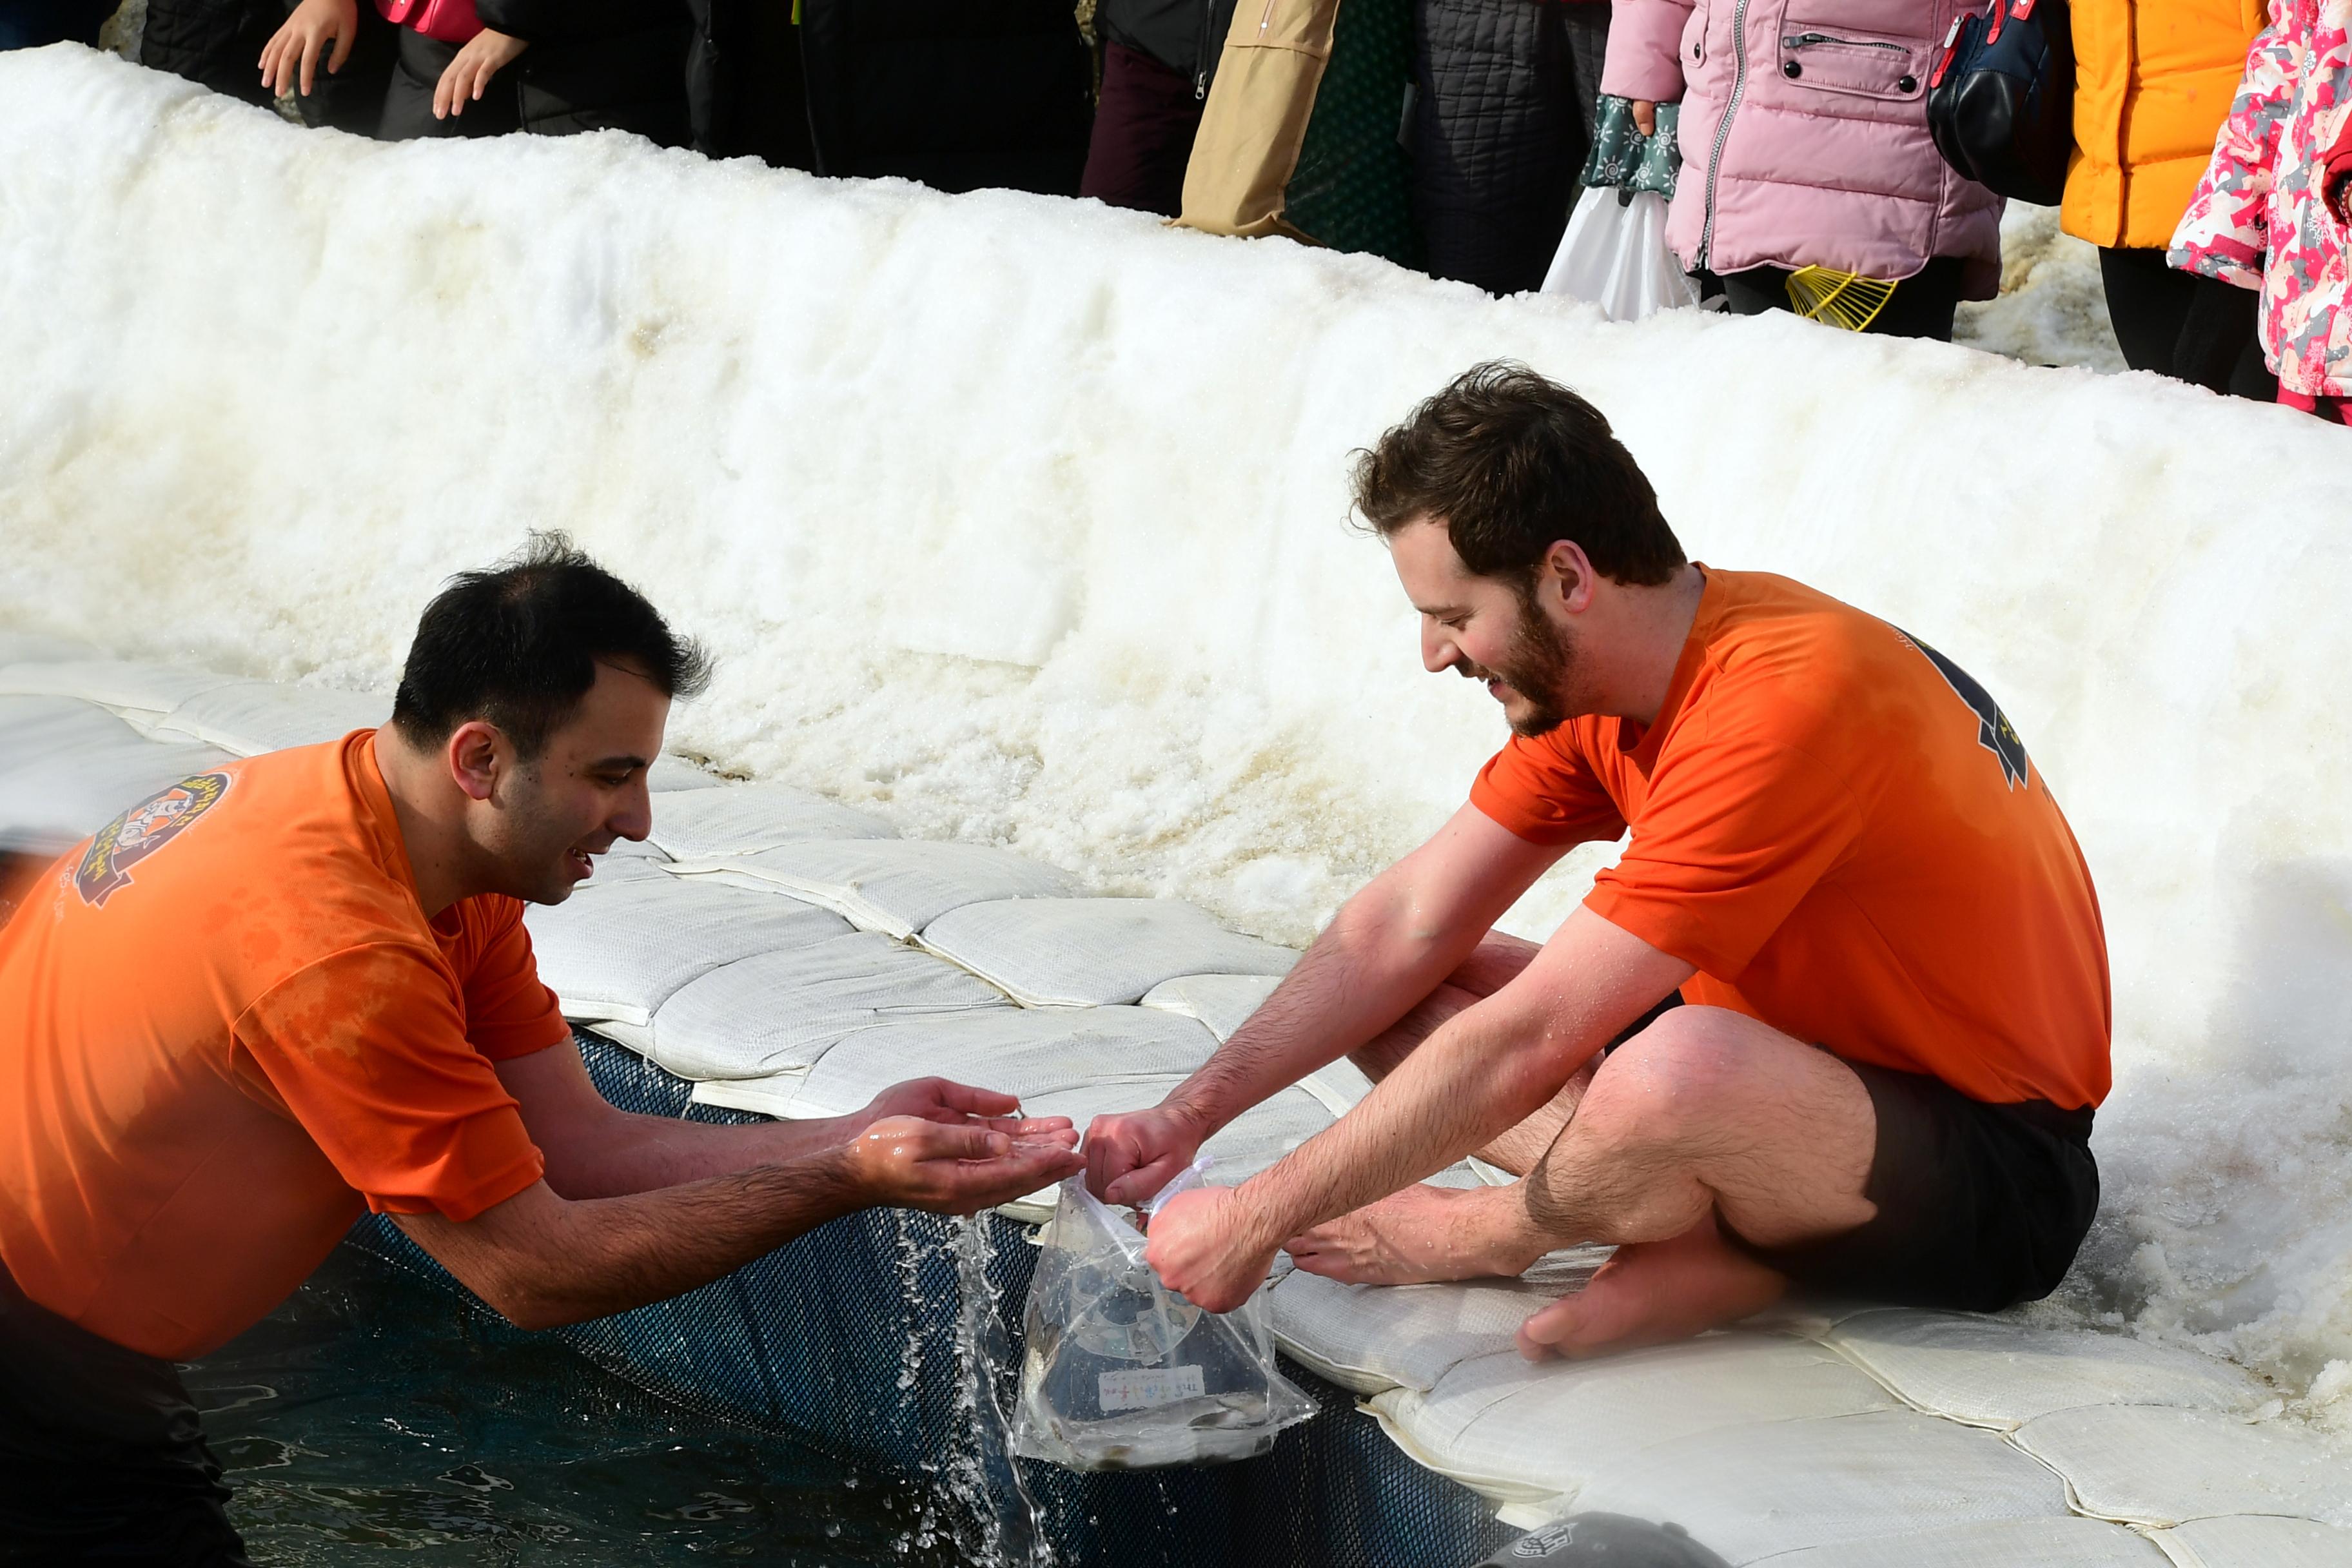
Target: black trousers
1923, 305
1504, 91
407, 103
102, 1456
1142, 139
2197, 330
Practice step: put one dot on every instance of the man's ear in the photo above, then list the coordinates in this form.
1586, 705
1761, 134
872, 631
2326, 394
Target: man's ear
477, 755
1571, 574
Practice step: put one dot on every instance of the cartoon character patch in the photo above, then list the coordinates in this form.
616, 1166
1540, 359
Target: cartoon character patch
1994, 732
105, 867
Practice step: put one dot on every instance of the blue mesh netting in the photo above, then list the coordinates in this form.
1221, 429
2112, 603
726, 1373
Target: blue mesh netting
816, 1338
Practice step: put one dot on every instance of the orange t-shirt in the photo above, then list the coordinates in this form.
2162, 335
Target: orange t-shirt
1838, 828
226, 1027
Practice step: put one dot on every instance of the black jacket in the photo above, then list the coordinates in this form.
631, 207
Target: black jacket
1185, 36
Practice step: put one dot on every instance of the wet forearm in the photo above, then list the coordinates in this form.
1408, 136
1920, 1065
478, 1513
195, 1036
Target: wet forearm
631, 1154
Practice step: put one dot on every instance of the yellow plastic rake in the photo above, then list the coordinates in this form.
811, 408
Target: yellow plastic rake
1838, 299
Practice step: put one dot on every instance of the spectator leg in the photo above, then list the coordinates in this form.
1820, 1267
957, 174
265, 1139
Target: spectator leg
1585, 23
1143, 131
1923, 305
1497, 138
2198, 329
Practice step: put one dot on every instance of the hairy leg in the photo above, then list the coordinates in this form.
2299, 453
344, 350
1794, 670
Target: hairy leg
1496, 962
1423, 1234
1705, 1119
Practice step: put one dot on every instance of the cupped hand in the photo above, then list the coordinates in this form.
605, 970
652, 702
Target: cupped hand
1130, 1157
908, 1162
468, 77
1201, 1244
945, 1101
290, 59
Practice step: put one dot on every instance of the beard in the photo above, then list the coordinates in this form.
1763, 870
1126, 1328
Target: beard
1539, 666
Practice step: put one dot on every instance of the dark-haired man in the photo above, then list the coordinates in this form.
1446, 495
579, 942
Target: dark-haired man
1841, 857
297, 988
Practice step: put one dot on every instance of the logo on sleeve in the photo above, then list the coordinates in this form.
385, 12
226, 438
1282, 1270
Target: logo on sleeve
105, 867
1993, 730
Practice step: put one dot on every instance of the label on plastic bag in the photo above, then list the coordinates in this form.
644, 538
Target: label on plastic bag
1146, 1388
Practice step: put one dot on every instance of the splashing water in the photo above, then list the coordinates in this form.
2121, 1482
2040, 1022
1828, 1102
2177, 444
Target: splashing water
986, 1478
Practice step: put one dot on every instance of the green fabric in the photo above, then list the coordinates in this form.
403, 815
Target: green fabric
1624, 158
1351, 190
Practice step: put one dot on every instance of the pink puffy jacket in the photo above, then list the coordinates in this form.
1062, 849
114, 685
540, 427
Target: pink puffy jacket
1804, 135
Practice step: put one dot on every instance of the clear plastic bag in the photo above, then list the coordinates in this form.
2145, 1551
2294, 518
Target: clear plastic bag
1615, 255
1123, 1373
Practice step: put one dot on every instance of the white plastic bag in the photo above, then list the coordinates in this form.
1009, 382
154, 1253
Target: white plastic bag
1123, 1373
1615, 255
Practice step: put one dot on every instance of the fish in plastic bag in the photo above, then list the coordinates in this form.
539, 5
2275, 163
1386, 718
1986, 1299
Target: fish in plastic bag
1123, 1373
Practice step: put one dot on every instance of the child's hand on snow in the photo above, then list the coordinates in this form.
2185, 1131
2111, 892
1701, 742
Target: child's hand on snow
306, 34
485, 55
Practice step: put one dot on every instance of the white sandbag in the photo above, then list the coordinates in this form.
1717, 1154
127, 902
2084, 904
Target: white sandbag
703, 824
1222, 1002
1031, 1053
38, 648
149, 691
1999, 1374
250, 717
1372, 1338
1615, 255
776, 1012
1751, 1491
623, 866
895, 886
669, 774
1993, 1543
1524, 1431
68, 768
1091, 952
622, 951
2257, 1541
2142, 1464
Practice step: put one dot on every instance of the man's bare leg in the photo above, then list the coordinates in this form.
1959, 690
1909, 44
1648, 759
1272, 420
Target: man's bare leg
1705, 1112
1425, 1232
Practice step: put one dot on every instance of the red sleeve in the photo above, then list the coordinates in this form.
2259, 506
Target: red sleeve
1542, 790
509, 1012
2336, 163
1734, 833
368, 1049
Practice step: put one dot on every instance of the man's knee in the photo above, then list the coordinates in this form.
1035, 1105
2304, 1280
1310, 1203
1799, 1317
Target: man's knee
1682, 1075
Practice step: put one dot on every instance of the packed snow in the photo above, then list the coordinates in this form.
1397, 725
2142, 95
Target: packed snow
1024, 521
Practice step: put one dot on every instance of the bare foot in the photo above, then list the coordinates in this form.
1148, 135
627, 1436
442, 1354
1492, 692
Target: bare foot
1652, 1291
1422, 1234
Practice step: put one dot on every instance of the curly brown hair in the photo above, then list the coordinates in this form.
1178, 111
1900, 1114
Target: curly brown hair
1509, 462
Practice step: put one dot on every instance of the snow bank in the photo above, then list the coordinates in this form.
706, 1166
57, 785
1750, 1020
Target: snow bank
1024, 522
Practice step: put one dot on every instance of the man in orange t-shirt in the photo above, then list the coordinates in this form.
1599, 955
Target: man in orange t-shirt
1838, 1015
277, 996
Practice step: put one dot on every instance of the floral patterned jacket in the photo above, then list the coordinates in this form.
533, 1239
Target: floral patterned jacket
2261, 217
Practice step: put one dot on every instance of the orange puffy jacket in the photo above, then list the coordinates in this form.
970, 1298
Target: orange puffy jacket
2154, 79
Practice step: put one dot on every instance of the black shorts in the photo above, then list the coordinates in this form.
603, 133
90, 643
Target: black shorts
102, 1457
1979, 1207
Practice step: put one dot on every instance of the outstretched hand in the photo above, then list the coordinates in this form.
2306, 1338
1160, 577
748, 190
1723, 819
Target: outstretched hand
945, 1101
290, 59
906, 1162
1200, 1243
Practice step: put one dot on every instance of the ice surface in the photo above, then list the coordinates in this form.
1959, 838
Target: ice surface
1023, 522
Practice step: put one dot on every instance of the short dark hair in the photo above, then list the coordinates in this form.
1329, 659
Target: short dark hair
1509, 462
518, 645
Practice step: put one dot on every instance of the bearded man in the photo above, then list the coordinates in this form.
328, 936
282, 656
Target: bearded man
1838, 1016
